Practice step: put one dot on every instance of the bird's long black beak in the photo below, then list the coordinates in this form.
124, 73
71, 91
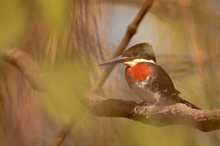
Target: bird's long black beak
118, 59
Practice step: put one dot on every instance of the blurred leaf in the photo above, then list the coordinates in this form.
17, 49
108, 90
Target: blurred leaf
55, 12
157, 136
64, 84
12, 21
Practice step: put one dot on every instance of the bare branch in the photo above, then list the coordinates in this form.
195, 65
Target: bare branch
131, 30
204, 120
26, 65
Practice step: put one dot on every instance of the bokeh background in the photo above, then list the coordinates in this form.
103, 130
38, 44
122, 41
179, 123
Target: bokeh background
69, 38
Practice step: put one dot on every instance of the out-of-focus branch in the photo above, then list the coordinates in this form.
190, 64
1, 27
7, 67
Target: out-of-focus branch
193, 37
61, 137
196, 49
131, 30
26, 65
204, 120
31, 71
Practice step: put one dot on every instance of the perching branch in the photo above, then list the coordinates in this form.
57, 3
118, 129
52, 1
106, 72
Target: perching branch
204, 120
131, 30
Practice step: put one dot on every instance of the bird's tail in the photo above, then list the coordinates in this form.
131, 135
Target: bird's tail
188, 103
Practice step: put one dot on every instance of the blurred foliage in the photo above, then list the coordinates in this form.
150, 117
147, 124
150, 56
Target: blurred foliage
66, 36
171, 135
13, 20
19, 18
64, 84
56, 13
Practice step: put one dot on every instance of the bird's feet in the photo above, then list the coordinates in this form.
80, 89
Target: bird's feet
143, 107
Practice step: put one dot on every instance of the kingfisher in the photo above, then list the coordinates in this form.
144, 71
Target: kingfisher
147, 79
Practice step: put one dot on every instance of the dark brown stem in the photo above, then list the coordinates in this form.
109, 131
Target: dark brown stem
131, 30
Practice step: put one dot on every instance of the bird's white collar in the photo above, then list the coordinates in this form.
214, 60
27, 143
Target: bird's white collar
136, 61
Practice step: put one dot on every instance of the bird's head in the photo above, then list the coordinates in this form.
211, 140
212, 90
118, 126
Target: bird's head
142, 52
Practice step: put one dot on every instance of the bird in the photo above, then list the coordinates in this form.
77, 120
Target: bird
146, 78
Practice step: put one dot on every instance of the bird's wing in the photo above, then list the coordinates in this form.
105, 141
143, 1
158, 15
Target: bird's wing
162, 82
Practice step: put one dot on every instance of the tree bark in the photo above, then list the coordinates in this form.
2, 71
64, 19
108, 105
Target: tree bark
204, 120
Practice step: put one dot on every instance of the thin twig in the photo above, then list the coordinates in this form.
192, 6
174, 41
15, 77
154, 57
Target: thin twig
131, 30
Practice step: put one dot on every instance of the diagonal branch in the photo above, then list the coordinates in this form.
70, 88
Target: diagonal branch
204, 120
131, 30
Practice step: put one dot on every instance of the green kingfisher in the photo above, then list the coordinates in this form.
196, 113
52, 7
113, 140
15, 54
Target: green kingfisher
147, 79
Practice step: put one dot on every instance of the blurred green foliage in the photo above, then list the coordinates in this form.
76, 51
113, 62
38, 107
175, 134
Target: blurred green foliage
67, 78
64, 84
16, 17
13, 20
55, 12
